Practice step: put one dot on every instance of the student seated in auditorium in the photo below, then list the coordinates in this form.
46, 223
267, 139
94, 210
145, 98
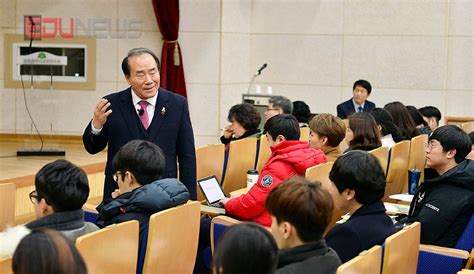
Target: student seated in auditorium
362, 132
402, 118
388, 130
431, 115
357, 187
470, 156
278, 105
327, 132
420, 122
244, 121
61, 189
245, 248
301, 112
138, 167
301, 211
444, 202
289, 157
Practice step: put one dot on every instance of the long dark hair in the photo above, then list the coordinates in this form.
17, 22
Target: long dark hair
385, 121
46, 251
402, 119
246, 248
366, 134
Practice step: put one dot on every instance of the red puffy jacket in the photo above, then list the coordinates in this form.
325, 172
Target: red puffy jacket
288, 158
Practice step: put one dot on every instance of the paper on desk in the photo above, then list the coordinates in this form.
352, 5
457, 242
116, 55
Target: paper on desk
402, 197
393, 209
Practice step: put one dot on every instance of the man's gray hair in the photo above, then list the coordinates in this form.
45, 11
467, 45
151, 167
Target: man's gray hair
137, 52
283, 103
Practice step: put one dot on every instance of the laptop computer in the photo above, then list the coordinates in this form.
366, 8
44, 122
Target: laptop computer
212, 191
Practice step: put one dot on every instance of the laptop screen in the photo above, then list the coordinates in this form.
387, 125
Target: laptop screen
211, 189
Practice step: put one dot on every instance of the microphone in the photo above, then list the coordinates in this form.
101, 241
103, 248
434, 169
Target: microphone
260, 70
140, 111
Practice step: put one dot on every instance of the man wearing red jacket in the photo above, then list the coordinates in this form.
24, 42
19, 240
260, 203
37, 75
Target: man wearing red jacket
289, 157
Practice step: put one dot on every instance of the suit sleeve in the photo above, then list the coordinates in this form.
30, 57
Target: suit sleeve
187, 153
343, 240
94, 143
340, 112
252, 203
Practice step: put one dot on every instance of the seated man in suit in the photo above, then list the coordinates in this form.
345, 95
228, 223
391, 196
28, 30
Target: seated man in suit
289, 157
278, 105
61, 189
301, 211
444, 202
358, 186
358, 103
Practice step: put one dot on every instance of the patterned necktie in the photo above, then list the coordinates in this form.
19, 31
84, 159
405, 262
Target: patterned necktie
360, 109
143, 114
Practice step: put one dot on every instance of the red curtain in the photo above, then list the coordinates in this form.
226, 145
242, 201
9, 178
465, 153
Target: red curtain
171, 72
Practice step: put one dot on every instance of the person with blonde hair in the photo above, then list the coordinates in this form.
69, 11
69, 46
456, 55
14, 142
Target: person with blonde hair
327, 132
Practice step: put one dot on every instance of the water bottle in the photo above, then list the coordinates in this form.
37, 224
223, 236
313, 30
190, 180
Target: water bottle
413, 179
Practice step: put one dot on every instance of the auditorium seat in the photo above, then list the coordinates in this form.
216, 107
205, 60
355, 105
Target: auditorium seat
368, 261
209, 161
7, 205
397, 172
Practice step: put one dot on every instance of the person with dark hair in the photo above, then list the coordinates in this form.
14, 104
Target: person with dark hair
301, 210
289, 157
327, 132
401, 118
278, 105
245, 248
244, 121
45, 251
362, 132
470, 156
144, 111
61, 189
358, 103
420, 123
431, 115
138, 168
358, 186
387, 128
302, 113
444, 202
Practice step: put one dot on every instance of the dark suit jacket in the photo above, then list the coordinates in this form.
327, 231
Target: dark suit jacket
345, 109
170, 129
368, 226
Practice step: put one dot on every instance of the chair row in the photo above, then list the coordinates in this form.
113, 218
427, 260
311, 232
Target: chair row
244, 154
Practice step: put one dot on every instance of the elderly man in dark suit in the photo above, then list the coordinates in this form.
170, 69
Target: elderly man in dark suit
147, 112
358, 103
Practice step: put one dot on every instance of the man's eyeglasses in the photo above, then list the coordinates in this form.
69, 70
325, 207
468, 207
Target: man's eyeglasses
34, 197
432, 145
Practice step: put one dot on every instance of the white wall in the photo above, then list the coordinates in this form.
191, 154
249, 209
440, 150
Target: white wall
419, 52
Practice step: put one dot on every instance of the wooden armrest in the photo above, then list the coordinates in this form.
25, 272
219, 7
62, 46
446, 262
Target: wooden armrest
452, 252
90, 208
226, 220
238, 192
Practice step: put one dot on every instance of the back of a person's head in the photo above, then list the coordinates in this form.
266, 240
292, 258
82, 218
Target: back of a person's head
282, 102
330, 126
363, 83
453, 137
416, 116
385, 121
359, 171
401, 118
63, 185
301, 111
365, 131
431, 111
471, 136
246, 115
305, 205
285, 125
143, 159
46, 251
246, 248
